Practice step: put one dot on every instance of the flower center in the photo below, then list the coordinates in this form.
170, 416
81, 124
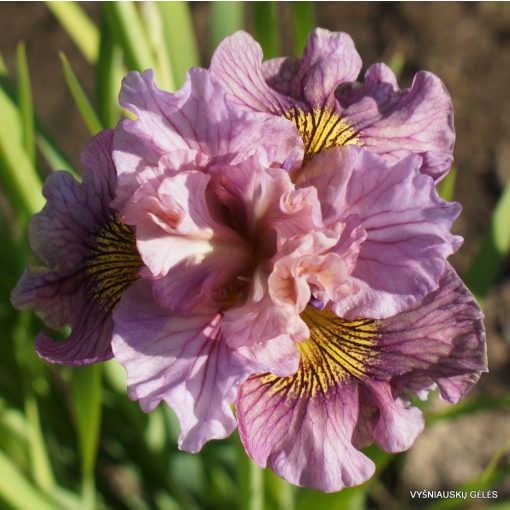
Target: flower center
321, 128
337, 349
113, 264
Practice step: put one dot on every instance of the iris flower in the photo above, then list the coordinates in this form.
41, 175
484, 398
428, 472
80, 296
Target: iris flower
87, 259
270, 236
317, 295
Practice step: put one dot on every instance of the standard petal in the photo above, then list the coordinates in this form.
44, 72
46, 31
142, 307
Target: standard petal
279, 72
197, 118
329, 59
237, 65
407, 227
304, 438
182, 361
396, 123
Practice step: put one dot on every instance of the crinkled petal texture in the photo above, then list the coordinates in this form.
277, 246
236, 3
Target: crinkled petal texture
319, 95
183, 361
60, 235
353, 384
402, 254
210, 241
192, 128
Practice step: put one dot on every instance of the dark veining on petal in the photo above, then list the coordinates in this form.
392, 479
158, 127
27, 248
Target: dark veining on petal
321, 128
113, 264
336, 350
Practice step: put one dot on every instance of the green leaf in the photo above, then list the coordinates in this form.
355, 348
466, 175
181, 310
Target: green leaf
80, 99
226, 18
18, 492
78, 25
25, 102
265, 21
495, 245
87, 403
125, 23
303, 21
179, 36
446, 188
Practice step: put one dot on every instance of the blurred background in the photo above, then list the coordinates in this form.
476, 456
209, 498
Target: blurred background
71, 438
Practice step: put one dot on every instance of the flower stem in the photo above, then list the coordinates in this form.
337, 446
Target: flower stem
251, 482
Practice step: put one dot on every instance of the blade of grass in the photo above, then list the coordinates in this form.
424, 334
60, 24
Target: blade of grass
17, 174
179, 36
52, 154
303, 22
125, 23
154, 29
396, 64
18, 492
88, 114
39, 459
446, 188
106, 73
226, 18
495, 245
265, 22
25, 101
87, 397
79, 27
469, 406
3, 67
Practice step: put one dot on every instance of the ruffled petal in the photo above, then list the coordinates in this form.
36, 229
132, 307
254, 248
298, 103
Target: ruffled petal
396, 123
178, 238
407, 227
182, 361
198, 118
265, 331
329, 59
89, 341
307, 440
441, 340
53, 295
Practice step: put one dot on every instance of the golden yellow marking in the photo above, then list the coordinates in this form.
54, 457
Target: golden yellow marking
113, 264
336, 350
322, 128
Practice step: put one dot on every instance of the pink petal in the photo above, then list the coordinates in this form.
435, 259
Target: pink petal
407, 227
396, 123
307, 440
182, 361
199, 119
